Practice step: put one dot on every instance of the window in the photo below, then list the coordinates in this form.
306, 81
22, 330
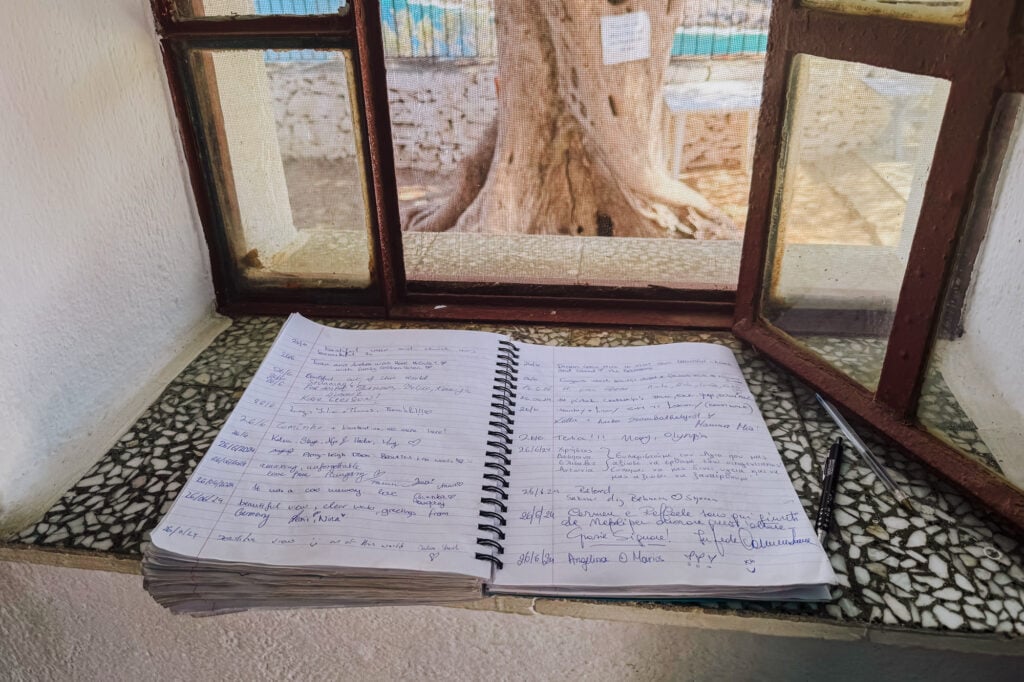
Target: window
859, 143
597, 162
860, 321
285, 219
545, 153
634, 212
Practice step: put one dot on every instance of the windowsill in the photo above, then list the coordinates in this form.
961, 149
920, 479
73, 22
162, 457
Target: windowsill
567, 260
826, 276
900, 574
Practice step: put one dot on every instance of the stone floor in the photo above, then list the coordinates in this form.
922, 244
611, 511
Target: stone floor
948, 565
861, 359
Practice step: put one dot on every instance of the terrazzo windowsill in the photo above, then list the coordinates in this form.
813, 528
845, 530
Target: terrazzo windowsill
950, 567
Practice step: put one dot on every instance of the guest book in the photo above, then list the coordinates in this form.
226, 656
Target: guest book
430, 466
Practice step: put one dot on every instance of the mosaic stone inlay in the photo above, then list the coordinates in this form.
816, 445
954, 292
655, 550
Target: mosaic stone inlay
950, 565
939, 409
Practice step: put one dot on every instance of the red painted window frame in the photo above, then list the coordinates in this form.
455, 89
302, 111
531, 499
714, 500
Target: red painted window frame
983, 59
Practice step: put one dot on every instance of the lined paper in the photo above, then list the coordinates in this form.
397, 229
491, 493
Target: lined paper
649, 466
362, 449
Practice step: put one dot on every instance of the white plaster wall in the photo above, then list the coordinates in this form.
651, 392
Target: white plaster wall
103, 271
61, 624
994, 322
983, 367
250, 133
256, 168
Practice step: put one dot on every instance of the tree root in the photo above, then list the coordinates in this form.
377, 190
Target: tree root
658, 209
469, 178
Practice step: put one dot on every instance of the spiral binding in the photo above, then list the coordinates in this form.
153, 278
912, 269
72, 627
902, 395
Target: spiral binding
499, 453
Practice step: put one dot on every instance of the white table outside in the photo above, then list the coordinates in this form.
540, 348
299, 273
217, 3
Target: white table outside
712, 96
902, 92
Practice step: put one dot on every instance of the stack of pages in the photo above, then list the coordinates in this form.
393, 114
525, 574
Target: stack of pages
402, 466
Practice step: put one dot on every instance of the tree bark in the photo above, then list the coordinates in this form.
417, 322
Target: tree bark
575, 147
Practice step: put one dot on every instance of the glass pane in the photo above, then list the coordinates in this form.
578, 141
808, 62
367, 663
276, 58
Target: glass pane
941, 11
246, 8
972, 394
287, 164
858, 145
619, 156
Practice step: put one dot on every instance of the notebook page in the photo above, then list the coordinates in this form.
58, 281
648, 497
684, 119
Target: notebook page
649, 466
348, 448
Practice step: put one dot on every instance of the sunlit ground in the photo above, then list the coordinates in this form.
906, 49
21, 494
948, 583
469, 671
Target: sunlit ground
863, 208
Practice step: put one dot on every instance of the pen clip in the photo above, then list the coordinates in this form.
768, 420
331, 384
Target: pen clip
832, 460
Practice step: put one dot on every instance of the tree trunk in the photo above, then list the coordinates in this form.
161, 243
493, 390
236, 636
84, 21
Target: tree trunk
575, 148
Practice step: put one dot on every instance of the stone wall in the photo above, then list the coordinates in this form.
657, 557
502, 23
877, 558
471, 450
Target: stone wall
313, 109
439, 110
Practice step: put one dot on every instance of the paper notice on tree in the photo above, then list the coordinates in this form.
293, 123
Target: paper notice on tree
625, 37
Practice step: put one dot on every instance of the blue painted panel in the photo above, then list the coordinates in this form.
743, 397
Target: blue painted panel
698, 42
298, 6
433, 28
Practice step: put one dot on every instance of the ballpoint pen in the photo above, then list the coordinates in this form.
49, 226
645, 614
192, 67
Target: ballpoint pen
865, 454
829, 479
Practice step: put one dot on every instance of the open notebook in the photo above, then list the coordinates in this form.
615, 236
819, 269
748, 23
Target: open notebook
425, 466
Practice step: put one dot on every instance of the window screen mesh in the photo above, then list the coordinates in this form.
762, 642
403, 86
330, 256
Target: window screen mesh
578, 142
858, 148
283, 140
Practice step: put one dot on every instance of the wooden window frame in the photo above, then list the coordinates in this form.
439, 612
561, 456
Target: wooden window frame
982, 60
198, 111
391, 294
